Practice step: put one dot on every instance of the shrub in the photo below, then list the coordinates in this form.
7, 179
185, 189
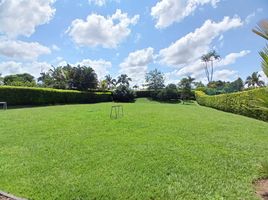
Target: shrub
43, 96
251, 103
123, 94
144, 93
169, 93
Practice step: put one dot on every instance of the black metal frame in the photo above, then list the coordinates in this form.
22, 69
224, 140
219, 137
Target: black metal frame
115, 112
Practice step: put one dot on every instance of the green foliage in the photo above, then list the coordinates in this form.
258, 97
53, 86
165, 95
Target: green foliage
252, 103
123, 94
185, 86
111, 83
264, 56
43, 96
254, 80
262, 29
68, 77
144, 93
83, 78
210, 57
155, 80
20, 80
169, 93
123, 79
222, 87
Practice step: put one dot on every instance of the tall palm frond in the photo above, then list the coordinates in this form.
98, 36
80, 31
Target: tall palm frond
262, 29
264, 63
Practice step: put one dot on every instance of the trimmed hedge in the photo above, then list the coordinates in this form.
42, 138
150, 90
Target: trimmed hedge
251, 103
144, 93
44, 96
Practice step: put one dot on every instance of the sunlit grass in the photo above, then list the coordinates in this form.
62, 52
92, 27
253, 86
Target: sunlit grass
156, 151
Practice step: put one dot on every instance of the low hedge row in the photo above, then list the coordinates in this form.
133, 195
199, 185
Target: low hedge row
144, 93
44, 96
251, 103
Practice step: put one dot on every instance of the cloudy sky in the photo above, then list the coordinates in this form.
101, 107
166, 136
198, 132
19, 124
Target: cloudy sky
132, 37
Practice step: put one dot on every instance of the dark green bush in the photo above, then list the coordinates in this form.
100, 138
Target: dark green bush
43, 96
144, 93
251, 103
123, 94
169, 93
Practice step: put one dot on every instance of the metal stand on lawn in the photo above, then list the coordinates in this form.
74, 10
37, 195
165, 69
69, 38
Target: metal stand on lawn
116, 112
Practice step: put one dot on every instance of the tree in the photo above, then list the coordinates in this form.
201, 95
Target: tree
169, 93
1, 79
237, 85
264, 56
155, 80
135, 87
262, 30
56, 77
123, 79
83, 78
210, 58
111, 83
20, 80
185, 86
254, 80
103, 86
123, 94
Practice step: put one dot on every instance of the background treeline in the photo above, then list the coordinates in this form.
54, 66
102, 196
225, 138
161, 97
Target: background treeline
83, 78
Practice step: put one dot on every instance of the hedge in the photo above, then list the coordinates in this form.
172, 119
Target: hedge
43, 96
144, 93
251, 103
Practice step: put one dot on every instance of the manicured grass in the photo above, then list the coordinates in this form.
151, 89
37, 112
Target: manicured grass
156, 151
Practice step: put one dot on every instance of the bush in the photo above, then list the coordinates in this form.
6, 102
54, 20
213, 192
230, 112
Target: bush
144, 93
123, 94
170, 93
43, 96
251, 103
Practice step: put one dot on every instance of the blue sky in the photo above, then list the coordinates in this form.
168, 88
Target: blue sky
132, 37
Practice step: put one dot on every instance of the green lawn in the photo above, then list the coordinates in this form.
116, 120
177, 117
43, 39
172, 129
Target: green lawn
156, 151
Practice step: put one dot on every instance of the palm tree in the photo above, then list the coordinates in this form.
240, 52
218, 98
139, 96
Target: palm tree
254, 80
210, 57
123, 79
205, 59
262, 29
110, 81
264, 64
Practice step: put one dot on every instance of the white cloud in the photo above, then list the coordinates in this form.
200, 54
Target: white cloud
166, 12
251, 16
136, 64
55, 47
22, 50
98, 2
225, 75
101, 67
232, 57
263, 77
20, 17
196, 68
101, 2
100, 31
34, 68
191, 47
